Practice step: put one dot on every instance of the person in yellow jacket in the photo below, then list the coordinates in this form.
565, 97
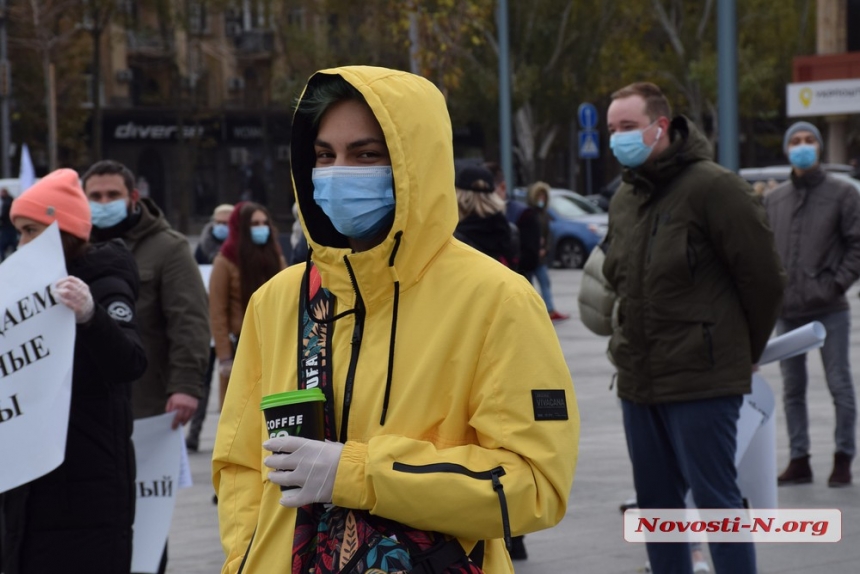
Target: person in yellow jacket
448, 380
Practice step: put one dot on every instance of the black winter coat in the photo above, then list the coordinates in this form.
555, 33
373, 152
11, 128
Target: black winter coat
79, 517
489, 235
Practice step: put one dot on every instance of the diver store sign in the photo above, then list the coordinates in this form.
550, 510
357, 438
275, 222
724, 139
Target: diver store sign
833, 97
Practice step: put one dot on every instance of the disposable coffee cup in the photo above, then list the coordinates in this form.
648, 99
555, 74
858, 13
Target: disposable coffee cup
295, 413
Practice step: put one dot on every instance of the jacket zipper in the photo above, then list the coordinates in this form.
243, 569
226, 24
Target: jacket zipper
709, 342
493, 475
247, 553
357, 332
651, 238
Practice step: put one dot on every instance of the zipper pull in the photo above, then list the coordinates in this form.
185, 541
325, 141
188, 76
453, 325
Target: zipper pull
496, 475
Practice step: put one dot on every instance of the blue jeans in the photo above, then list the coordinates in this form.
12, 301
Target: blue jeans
542, 274
687, 445
837, 370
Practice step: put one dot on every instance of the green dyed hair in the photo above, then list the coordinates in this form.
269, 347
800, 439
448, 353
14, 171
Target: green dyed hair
326, 91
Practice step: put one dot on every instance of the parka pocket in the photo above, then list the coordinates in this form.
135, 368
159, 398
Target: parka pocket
819, 289
494, 475
682, 340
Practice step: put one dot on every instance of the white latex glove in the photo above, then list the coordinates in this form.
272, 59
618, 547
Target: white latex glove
311, 465
225, 367
75, 294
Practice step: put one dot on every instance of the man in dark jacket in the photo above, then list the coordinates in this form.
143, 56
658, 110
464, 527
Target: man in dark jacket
816, 224
691, 257
172, 309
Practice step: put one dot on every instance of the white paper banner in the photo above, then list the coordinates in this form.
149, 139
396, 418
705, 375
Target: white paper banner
802, 340
37, 343
157, 450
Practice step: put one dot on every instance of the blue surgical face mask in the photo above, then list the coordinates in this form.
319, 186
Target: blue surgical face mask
359, 201
541, 203
260, 234
803, 156
107, 215
220, 231
630, 149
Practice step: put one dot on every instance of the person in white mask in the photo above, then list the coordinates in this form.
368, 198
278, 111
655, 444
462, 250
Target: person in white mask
691, 258
816, 223
438, 431
172, 309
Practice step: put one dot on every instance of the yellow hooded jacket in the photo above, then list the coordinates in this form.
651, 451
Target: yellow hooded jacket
472, 357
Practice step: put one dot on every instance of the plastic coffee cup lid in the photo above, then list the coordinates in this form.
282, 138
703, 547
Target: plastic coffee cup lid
292, 398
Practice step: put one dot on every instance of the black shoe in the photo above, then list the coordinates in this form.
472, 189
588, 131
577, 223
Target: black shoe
841, 475
798, 471
192, 444
214, 499
518, 548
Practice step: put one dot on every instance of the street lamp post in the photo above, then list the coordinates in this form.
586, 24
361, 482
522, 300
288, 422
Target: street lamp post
727, 98
505, 146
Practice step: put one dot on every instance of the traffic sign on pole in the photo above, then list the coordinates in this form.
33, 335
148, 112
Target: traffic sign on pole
589, 144
587, 116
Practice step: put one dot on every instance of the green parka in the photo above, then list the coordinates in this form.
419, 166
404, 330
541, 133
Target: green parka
692, 259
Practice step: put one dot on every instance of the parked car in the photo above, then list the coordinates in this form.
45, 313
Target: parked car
781, 173
576, 226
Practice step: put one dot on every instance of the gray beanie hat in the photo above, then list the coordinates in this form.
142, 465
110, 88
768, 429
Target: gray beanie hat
802, 127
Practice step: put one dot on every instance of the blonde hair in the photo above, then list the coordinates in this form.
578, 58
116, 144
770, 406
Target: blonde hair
480, 204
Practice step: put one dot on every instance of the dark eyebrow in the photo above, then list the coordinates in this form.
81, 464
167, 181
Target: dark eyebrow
353, 145
364, 142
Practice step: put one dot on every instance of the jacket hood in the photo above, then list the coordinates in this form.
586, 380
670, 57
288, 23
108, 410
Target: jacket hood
688, 145
534, 191
414, 119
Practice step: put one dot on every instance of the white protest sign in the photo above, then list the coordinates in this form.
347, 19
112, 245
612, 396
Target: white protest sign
157, 449
205, 274
802, 340
37, 344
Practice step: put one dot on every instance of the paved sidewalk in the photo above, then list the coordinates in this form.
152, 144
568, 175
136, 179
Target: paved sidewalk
589, 539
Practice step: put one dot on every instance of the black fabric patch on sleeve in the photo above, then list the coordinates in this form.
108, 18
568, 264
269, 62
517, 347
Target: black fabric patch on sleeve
549, 405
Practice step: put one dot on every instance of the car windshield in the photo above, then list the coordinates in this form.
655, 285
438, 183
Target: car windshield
565, 207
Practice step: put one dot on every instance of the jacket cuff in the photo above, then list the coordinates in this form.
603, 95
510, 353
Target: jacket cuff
349, 483
188, 382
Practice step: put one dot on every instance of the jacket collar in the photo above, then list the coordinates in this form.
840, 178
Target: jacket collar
811, 178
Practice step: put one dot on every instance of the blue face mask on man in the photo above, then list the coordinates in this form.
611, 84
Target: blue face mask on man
260, 234
630, 149
359, 201
108, 214
220, 231
803, 156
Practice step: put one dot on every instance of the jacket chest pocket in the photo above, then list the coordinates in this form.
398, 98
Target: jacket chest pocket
672, 258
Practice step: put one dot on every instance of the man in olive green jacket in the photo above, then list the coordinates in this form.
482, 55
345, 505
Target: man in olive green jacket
692, 259
173, 310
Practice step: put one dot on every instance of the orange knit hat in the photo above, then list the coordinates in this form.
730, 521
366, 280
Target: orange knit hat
57, 197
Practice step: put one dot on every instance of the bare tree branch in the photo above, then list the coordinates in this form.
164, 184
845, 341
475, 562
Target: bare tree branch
668, 27
560, 43
706, 16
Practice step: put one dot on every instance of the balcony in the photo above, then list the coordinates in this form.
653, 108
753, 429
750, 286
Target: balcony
254, 43
148, 42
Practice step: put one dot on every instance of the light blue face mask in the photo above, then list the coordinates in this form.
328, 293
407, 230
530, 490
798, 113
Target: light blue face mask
220, 231
803, 156
260, 234
108, 214
629, 147
359, 201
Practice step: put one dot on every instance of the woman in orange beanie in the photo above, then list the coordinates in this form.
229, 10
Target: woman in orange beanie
82, 513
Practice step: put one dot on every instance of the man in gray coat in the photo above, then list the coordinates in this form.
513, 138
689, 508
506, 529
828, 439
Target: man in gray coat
816, 224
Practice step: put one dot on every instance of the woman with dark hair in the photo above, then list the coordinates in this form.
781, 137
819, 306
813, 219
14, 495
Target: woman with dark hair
249, 257
81, 514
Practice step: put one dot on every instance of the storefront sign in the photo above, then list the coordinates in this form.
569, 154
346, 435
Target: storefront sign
829, 98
